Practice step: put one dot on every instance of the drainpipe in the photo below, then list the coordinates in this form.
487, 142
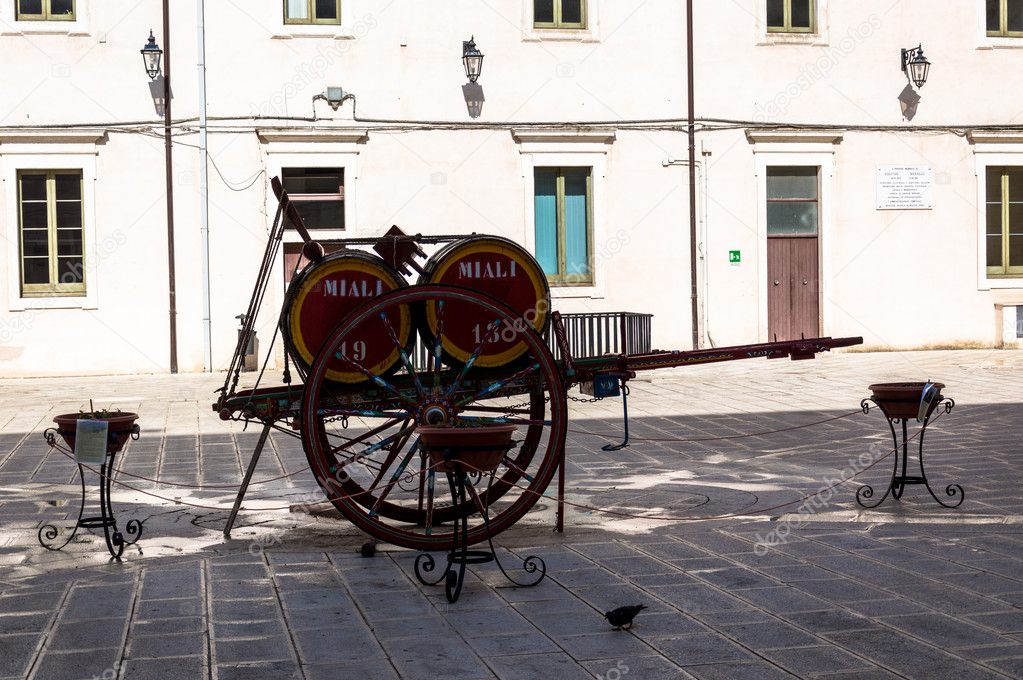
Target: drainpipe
694, 297
204, 203
169, 171
704, 246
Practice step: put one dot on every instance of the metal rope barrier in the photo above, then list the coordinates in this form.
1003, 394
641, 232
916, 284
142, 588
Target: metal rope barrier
541, 494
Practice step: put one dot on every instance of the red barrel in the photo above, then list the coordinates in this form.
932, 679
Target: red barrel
496, 267
324, 293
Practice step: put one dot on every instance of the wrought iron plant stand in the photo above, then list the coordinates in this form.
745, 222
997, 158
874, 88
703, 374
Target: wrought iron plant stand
898, 403
116, 541
454, 462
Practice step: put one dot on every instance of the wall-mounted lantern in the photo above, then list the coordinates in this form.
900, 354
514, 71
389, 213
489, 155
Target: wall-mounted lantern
915, 65
151, 54
472, 58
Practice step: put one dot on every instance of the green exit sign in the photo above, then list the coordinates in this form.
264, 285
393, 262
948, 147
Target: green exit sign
734, 256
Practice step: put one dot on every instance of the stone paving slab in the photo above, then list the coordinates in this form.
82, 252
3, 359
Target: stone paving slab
771, 587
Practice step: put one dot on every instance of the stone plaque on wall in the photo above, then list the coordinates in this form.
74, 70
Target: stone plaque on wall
905, 188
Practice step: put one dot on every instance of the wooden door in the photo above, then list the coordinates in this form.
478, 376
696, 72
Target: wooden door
793, 290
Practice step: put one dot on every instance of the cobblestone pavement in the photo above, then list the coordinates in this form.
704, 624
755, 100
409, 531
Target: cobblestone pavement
774, 588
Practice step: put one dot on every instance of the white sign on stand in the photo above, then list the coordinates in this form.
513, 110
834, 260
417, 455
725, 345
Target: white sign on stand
91, 442
905, 188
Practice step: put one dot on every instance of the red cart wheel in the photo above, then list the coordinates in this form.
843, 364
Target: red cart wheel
361, 441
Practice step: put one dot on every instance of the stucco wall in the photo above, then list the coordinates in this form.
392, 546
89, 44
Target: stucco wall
899, 278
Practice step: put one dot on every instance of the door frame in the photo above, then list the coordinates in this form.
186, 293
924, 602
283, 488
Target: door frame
819, 155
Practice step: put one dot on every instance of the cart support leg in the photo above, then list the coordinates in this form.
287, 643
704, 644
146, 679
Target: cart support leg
625, 417
248, 478
559, 523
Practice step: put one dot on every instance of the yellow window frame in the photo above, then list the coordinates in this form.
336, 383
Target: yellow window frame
47, 15
558, 23
787, 26
312, 18
1005, 270
564, 277
55, 288
1003, 22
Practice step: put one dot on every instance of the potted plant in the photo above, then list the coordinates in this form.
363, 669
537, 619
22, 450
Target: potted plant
903, 399
477, 449
120, 426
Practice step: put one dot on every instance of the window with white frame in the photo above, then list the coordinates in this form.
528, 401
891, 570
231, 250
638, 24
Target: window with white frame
791, 16
50, 233
1003, 235
563, 224
45, 10
559, 13
319, 195
1005, 18
312, 11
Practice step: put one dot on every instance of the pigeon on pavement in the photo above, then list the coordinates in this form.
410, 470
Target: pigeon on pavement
621, 618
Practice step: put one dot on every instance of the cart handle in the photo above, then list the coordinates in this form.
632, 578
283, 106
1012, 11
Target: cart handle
312, 250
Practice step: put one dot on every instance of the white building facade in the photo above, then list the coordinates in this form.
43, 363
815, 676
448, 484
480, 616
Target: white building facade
834, 196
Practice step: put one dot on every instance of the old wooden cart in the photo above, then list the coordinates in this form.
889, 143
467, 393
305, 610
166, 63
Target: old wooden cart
462, 347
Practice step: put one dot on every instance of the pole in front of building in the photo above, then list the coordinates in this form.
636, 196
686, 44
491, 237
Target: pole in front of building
170, 188
692, 176
151, 57
204, 184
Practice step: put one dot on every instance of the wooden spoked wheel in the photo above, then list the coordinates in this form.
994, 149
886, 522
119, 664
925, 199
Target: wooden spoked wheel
361, 441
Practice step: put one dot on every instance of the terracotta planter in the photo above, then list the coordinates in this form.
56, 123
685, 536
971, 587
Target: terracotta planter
476, 448
902, 400
119, 428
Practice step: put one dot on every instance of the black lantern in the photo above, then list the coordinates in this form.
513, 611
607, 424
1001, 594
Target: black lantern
151, 54
915, 65
472, 58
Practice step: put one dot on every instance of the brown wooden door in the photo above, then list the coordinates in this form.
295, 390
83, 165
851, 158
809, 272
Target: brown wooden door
793, 307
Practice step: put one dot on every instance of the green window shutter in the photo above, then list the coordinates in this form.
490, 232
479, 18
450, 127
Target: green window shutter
546, 219
577, 247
